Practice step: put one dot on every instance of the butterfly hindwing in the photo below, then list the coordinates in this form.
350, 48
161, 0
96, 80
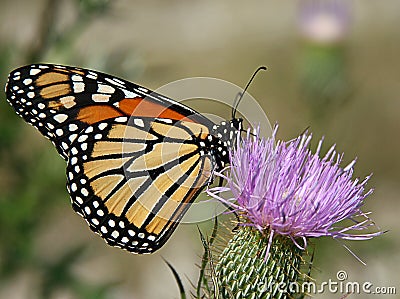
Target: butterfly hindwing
134, 193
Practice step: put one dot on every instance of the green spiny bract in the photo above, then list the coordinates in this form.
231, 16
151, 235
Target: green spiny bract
245, 270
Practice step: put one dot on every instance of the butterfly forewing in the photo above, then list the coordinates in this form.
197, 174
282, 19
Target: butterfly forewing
61, 101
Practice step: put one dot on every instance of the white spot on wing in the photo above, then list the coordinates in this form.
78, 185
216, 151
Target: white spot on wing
121, 119
102, 126
129, 94
100, 97
73, 127
118, 81
72, 137
79, 87
27, 81
165, 120
76, 78
143, 89
82, 138
59, 132
104, 88
92, 76
34, 72
60, 117
115, 82
139, 122
79, 200
89, 130
74, 160
84, 192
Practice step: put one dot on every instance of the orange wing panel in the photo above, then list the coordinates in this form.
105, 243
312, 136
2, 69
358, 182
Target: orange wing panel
146, 108
94, 114
136, 107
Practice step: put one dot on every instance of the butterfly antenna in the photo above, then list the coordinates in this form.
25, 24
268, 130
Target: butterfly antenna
241, 94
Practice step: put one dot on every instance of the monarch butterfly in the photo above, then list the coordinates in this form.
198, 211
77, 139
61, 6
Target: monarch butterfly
135, 159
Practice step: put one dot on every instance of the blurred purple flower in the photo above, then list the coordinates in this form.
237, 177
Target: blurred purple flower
283, 188
326, 21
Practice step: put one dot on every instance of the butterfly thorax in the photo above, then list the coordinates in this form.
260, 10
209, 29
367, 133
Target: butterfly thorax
222, 138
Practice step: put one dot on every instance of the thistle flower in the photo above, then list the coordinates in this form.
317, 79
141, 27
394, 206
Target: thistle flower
324, 22
283, 192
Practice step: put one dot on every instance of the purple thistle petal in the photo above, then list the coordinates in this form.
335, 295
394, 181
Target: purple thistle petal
286, 189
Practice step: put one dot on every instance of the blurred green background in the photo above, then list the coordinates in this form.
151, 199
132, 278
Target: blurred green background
333, 66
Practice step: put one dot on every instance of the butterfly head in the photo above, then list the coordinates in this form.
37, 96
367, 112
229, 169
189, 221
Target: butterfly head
227, 131
237, 123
